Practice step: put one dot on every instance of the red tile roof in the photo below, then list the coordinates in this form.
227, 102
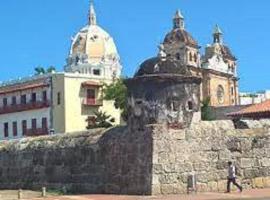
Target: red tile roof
23, 86
263, 107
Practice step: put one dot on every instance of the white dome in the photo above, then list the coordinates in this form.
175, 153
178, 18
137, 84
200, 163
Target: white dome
93, 51
95, 43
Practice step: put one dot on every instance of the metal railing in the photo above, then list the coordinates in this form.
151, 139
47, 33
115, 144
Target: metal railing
24, 107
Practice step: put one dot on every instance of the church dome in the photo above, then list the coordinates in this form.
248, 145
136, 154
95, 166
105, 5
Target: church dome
180, 35
95, 43
93, 52
92, 44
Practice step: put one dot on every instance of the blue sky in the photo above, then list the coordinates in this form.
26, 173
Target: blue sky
38, 32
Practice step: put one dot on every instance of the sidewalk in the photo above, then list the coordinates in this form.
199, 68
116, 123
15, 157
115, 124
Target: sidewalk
262, 194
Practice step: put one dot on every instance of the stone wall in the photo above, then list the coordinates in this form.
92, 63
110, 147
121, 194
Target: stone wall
149, 160
204, 150
90, 162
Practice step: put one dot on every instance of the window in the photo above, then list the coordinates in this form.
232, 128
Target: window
24, 127
195, 58
23, 99
178, 56
58, 98
15, 130
190, 105
96, 72
5, 102
175, 105
91, 94
190, 56
220, 94
44, 96
6, 129
13, 100
232, 91
44, 123
34, 98
34, 124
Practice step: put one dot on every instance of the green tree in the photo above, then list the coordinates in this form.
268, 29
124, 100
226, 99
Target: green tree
117, 91
51, 69
40, 70
100, 120
206, 110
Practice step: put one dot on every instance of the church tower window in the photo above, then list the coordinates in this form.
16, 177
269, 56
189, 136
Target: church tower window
220, 94
195, 58
190, 56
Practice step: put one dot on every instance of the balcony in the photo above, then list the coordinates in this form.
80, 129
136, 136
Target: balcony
24, 107
36, 132
93, 102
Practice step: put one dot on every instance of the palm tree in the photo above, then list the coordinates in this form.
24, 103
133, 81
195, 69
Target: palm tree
40, 70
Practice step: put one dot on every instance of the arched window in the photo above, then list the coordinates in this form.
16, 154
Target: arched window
195, 58
190, 56
190, 105
220, 94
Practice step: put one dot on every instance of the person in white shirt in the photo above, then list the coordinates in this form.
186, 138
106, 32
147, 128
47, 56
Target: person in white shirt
232, 177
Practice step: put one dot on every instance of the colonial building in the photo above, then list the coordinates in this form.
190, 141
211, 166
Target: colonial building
61, 102
247, 98
217, 67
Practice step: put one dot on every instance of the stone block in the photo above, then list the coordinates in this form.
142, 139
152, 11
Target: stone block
155, 179
246, 162
222, 185
158, 169
168, 178
177, 134
225, 155
167, 189
156, 190
251, 173
257, 182
265, 162
202, 187
212, 186
266, 182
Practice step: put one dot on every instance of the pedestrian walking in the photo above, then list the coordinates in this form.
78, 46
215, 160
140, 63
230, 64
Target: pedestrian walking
232, 177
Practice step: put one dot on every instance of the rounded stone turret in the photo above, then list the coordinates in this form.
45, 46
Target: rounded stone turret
163, 92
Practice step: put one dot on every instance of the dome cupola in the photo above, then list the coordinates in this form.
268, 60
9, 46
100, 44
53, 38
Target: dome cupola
92, 46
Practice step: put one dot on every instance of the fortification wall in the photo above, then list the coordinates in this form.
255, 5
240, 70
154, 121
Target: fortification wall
150, 160
204, 150
90, 162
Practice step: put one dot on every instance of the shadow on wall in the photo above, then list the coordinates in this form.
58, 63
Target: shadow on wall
127, 161
98, 161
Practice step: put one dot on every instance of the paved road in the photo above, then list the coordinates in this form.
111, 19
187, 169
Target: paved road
263, 194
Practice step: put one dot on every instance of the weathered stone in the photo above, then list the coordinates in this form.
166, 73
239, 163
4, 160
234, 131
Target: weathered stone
213, 186
246, 162
167, 188
222, 185
258, 182
266, 181
265, 162
135, 162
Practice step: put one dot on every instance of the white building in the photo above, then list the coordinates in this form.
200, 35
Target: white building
247, 98
63, 101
